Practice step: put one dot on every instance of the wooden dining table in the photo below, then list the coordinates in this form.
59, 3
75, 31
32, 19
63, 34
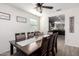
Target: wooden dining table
30, 46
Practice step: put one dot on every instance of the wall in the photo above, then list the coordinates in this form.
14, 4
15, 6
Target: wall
9, 28
44, 23
71, 39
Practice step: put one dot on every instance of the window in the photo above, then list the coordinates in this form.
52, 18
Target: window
33, 22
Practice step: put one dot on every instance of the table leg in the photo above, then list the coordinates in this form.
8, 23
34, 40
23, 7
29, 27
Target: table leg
11, 49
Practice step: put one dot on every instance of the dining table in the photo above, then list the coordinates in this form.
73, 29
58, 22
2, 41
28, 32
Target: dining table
27, 46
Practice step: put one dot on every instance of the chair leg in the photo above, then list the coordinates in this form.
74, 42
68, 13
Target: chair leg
47, 53
53, 52
56, 47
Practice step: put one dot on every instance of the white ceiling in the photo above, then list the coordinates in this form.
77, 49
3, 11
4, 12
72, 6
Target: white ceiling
30, 6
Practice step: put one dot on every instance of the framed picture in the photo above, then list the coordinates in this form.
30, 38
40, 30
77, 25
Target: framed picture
72, 24
21, 19
4, 16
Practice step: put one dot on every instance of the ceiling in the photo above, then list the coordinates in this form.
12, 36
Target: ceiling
57, 6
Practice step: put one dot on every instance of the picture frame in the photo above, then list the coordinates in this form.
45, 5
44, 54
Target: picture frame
21, 19
5, 16
71, 24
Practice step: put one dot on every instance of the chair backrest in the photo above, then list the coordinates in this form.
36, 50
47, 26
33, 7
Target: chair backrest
20, 37
44, 46
28, 35
51, 42
36, 33
56, 35
32, 34
50, 32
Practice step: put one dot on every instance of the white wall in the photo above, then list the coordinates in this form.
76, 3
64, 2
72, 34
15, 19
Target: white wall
9, 28
44, 23
71, 39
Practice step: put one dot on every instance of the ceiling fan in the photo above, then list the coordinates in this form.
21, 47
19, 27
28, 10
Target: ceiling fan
40, 6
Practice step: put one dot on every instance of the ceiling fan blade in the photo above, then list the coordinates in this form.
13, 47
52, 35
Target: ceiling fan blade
49, 7
39, 4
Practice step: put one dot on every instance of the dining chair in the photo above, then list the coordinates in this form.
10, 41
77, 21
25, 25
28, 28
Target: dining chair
36, 33
55, 44
42, 51
20, 37
50, 49
32, 34
50, 32
44, 46
28, 35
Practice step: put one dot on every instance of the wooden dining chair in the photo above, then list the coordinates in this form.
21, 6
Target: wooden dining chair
36, 33
42, 51
32, 34
50, 50
28, 35
20, 37
55, 44
44, 46
50, 32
